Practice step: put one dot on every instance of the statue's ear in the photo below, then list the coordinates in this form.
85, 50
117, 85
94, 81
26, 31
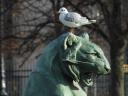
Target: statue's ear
69, 40
71, 46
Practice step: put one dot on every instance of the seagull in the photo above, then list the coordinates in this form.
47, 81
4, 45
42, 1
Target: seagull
73, 19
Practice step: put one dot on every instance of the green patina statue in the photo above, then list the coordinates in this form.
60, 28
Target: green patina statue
66, 66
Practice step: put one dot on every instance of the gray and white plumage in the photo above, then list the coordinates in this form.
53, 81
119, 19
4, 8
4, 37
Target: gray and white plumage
73, 19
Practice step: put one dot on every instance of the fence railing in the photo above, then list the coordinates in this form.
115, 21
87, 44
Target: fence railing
16, 80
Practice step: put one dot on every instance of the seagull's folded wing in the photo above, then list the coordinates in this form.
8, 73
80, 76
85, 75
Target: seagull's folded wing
74, 16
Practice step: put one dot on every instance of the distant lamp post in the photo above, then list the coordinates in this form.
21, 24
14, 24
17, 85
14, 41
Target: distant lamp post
3, 81
2, 62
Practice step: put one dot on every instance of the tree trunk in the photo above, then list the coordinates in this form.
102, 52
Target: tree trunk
118, 48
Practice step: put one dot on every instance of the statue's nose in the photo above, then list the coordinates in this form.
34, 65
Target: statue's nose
108, 68
107, 65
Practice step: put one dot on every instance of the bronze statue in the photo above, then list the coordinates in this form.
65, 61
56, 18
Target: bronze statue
66, 66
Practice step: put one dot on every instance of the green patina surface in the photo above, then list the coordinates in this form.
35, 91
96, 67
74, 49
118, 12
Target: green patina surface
66, 66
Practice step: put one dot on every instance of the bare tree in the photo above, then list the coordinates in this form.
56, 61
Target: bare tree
118, 36
36, 21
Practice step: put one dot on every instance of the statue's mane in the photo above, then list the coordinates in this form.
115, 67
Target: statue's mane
62, 54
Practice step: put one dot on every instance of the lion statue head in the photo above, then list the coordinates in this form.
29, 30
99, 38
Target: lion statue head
66, 59
81, 59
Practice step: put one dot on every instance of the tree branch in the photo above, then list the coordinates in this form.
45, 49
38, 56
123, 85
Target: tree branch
105, 11
38, 9
100, 31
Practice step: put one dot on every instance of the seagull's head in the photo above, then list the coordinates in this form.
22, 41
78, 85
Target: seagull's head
63, 10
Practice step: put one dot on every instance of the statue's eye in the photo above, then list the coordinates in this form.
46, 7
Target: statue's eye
93, 54
96, 54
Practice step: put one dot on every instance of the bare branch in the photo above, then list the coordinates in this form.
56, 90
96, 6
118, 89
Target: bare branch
105, 11
27, 57
37, 8
99, 31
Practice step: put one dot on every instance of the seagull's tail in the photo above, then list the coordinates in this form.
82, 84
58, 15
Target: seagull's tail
93, 21
85, 21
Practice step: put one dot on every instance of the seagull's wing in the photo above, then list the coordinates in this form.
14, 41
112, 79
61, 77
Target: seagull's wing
77, 19
72, 17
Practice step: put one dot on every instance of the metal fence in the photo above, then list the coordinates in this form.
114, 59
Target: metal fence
17, 79
126, 84
16, 84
